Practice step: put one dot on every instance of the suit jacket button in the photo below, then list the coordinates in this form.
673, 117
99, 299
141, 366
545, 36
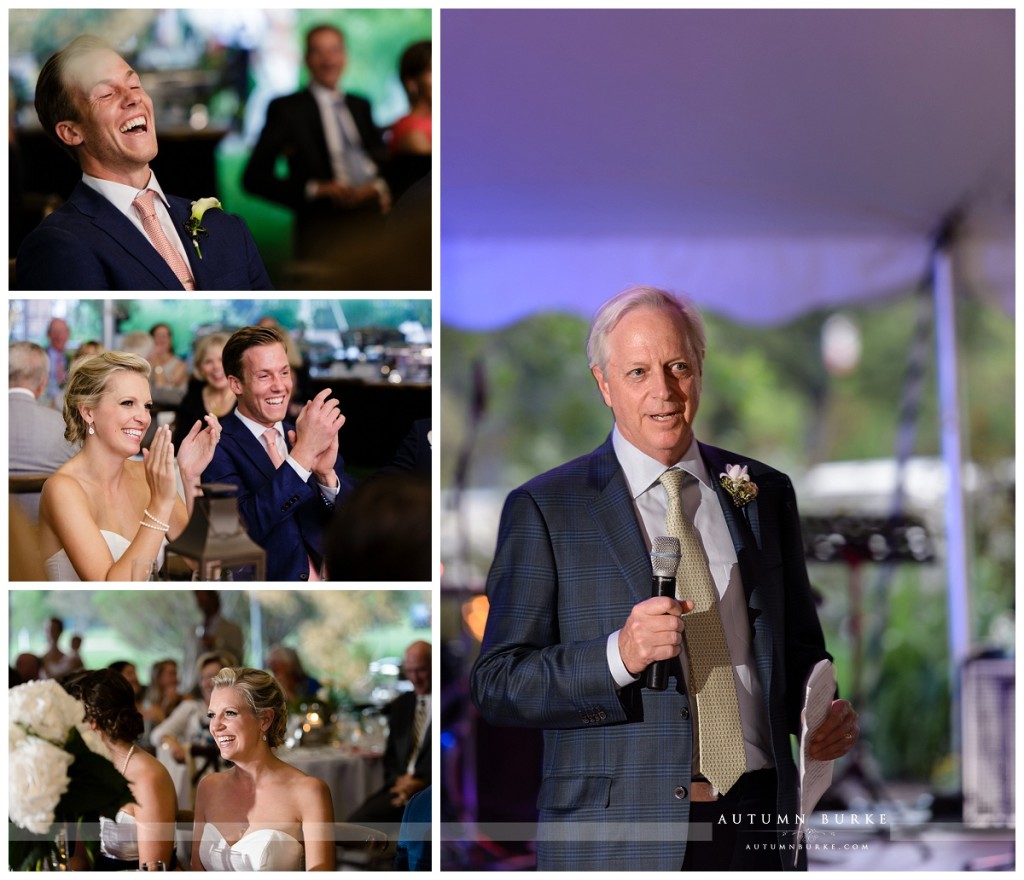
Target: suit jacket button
684, 713
601, 715
680, 792
304, 576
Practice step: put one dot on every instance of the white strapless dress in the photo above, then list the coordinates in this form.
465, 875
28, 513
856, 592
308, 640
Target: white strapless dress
119, 837
265, 849
59, 567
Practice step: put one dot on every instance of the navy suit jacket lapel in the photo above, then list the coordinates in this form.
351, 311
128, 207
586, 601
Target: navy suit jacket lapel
255, 451
611, 508
123, 234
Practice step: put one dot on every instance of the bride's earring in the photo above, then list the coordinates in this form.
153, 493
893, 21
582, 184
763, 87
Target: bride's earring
264, 737
92, 430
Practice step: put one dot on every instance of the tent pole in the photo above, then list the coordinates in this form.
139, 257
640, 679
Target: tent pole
952, 454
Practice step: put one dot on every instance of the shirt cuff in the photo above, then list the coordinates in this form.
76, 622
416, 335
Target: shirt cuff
622, 676
304, 475
330, 493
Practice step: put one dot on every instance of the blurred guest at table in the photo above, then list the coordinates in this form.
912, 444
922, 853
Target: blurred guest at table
382, 532
413, 851
412, 133
407, 754
36, 441
103, 510
54, 660
334, 152
131, 675
87, 348
142, 832
169, 371
183, 739
214, 633
57, 335
118, 230
208, 390
286, 666
162, 695
290, 476
74, 662
28, 667
262, 814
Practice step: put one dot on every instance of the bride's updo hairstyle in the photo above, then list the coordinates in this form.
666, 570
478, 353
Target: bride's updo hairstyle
88, 381
261, 691
109, 701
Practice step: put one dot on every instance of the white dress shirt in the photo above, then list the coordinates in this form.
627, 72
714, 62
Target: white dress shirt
334, 112
701, 505
121, 197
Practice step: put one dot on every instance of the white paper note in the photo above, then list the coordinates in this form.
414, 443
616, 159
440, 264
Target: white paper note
815, 776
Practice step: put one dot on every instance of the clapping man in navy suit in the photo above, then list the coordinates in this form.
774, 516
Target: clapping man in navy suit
289, 477
631, 780
119, 230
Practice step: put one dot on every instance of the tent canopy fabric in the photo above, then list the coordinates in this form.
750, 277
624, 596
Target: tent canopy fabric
765, 162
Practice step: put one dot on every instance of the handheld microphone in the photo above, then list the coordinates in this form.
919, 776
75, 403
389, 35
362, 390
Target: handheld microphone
665, 561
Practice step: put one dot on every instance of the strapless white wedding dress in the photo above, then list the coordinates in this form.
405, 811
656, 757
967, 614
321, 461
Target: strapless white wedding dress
59, 567
119, 837
265, 849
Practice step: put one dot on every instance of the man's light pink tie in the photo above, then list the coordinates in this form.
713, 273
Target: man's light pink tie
143, 204
719, 732
270, 442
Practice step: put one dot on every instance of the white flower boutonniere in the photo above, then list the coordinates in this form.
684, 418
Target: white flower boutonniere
736, 481
193, 226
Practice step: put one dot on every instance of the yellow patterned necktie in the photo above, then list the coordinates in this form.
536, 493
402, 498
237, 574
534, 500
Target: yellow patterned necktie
720, 735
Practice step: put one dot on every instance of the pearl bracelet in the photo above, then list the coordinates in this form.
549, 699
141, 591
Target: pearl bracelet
157, 521
142, 522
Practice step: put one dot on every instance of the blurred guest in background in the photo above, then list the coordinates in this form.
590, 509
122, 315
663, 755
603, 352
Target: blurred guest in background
183, 740
142, 832
208, 390
169, 372
214, 633
54, 661
101, 512
28, 667
382, 532
290, 476
87, 348
57, 335
286, 666
162, 695
412, 133
74, 661
334, 153
118, 230
131, 675
35, 432
293, 812
300, 372
407, 761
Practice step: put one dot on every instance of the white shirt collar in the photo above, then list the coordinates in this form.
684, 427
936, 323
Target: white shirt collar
256, 428
324, 94
642, 471
120, 195
26, 391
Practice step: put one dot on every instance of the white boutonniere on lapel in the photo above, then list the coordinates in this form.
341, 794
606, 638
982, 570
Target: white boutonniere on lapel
194, 224
736, 481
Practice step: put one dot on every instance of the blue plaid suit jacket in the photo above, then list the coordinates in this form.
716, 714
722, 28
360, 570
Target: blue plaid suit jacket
570, 565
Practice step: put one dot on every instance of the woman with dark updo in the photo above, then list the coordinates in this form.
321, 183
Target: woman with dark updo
141, 835
262, 814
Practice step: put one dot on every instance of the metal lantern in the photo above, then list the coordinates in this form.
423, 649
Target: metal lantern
215, 539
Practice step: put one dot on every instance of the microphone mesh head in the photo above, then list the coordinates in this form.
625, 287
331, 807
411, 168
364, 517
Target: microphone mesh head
665, 556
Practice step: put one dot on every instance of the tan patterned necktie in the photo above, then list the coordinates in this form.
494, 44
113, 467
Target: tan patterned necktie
143, 205
720, 735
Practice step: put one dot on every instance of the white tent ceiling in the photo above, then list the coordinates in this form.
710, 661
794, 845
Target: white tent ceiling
764, 161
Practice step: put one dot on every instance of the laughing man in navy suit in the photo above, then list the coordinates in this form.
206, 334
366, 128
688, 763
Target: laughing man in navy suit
290, 480
92, 103
572, 627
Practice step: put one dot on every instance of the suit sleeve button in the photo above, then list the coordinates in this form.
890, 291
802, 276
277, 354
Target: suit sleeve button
684, 713
680, 792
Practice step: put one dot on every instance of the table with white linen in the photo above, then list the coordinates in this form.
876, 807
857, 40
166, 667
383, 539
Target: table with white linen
352, 776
